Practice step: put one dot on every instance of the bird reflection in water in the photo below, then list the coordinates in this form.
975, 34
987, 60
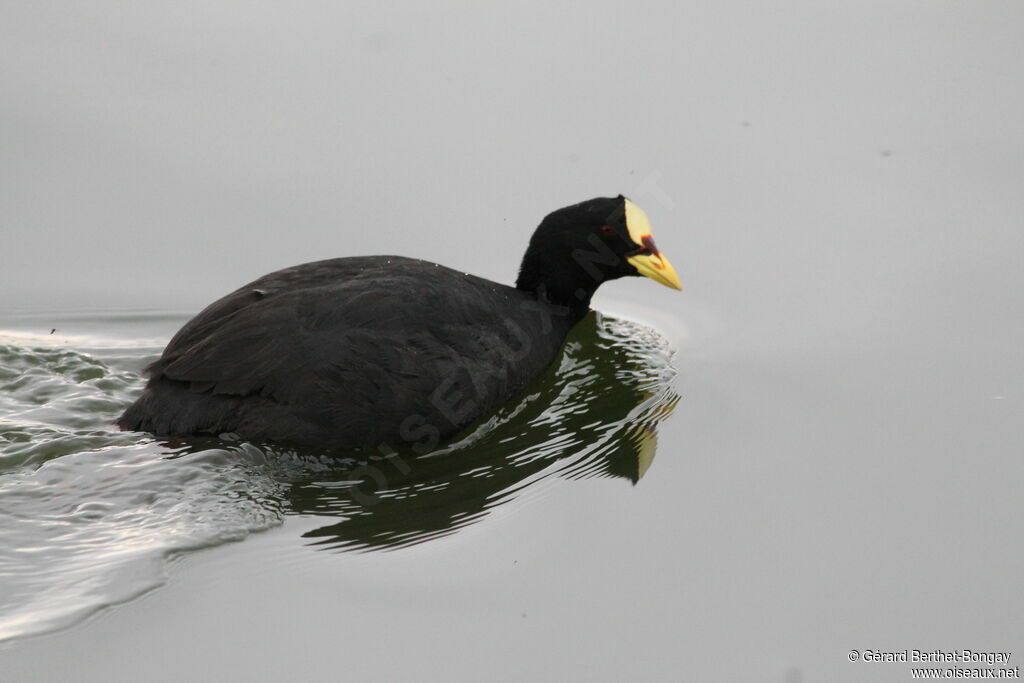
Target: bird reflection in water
594, 413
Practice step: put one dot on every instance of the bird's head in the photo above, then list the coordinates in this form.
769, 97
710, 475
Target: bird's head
577, 248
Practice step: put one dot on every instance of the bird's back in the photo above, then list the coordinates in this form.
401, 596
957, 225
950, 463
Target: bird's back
352, 352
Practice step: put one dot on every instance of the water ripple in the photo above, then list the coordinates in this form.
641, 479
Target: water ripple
89, 515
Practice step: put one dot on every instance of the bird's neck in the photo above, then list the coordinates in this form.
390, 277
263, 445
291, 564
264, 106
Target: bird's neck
557, 287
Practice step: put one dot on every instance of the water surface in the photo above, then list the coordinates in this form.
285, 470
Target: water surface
90, 515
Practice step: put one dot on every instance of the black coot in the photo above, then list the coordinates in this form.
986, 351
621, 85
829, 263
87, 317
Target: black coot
376, 350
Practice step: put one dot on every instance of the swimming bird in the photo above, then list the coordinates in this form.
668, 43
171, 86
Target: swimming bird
386, 350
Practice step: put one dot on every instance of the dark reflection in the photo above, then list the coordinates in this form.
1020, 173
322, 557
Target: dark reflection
594, 415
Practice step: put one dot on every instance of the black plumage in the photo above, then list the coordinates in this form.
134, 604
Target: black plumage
375, 350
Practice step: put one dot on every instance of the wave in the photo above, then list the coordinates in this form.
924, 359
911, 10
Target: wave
89, 516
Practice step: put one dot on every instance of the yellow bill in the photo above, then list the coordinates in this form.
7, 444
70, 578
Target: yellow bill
648, 261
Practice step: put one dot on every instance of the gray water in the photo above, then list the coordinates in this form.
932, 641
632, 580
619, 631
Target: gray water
815, 448
89, 515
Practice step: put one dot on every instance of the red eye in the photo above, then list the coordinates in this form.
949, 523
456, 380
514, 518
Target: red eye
607, 230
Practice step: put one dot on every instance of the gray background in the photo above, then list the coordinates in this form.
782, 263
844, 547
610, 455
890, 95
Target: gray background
187, 147
839, 186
